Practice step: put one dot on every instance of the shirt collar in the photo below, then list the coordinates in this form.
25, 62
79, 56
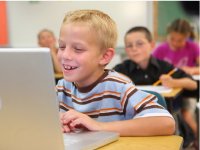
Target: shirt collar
153, 61
90, 87
132, 66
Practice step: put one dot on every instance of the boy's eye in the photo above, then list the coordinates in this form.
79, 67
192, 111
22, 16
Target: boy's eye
139, 44
129, 46
61, 47
78, 49
136, 44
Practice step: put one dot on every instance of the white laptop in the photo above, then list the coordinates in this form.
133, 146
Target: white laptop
29, 113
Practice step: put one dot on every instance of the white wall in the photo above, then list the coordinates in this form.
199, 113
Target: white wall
26, 18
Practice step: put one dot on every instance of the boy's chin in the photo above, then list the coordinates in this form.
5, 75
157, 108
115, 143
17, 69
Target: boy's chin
138, 61
69, 79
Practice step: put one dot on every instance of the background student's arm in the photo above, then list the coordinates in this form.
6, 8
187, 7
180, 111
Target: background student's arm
192, 70
56, 64
184, 82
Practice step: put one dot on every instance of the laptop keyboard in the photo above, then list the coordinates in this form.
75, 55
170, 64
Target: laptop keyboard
69, 141
88, 139
72, 139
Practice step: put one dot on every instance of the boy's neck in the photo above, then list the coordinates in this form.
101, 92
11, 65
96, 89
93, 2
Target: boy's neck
91, 79
143, 65
89, 87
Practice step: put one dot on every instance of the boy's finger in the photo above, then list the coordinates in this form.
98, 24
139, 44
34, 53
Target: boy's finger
66, 128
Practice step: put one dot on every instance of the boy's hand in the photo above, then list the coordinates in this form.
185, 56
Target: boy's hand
167, 81
75, 120
65, 127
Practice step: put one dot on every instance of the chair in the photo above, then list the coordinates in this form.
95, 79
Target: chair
161, 99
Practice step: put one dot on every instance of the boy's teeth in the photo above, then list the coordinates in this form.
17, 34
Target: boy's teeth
69, 67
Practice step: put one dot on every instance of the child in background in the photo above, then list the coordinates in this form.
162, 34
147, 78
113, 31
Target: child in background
179, 50
144, 69
182, 52
46, 38
99, 99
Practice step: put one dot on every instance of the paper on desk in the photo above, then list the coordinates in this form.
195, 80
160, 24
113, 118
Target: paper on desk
196, 77
159, 89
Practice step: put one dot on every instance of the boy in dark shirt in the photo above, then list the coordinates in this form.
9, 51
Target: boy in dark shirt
144, 69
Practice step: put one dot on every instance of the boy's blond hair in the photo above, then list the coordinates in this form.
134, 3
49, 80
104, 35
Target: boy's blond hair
98, 22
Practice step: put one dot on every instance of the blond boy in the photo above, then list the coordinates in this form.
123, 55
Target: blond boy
98, 99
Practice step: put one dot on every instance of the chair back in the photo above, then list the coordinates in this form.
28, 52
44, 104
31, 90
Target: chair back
161, 99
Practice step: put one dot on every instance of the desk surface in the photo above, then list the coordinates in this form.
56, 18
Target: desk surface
173, 94
146, 143
58, 75
169, 94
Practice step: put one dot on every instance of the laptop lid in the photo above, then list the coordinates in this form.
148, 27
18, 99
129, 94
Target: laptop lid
28, 107
29, 113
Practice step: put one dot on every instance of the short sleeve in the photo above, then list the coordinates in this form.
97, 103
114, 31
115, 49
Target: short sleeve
141, 104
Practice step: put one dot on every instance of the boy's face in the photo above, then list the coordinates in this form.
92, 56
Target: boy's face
47, 40
79, 54
176, 40
137, 47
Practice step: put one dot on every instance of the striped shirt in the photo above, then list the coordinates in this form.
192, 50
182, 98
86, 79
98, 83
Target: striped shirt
112, 97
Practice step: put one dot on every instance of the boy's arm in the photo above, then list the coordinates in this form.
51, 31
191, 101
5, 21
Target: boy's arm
144, 126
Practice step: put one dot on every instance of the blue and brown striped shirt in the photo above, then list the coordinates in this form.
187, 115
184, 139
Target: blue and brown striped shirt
112, 97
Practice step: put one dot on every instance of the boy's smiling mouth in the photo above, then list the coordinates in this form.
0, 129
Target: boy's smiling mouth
67, 67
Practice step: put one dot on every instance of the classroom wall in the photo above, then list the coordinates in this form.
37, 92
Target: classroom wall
168, 11
27, 18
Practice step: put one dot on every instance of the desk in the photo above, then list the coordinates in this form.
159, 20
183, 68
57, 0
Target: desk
173, 94
146, 143
169, 94
58, 75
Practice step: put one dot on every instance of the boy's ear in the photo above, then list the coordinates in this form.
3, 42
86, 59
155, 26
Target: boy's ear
107, 56
153, 44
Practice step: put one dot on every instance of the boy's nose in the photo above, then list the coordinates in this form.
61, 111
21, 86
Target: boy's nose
68, 53
134, 48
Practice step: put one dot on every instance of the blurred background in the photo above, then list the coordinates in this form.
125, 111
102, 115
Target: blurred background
20, 21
